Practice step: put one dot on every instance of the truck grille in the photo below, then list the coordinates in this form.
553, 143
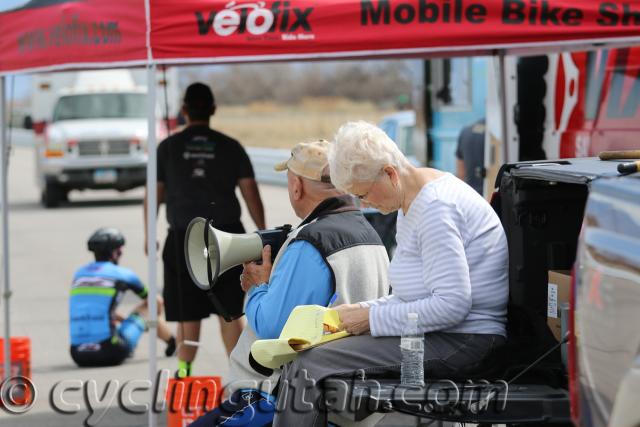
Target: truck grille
103, 148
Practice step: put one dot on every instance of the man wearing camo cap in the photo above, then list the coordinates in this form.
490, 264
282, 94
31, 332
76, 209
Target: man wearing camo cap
333, 256
308, 160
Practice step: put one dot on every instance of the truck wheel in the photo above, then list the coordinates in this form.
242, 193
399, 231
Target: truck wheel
52, 195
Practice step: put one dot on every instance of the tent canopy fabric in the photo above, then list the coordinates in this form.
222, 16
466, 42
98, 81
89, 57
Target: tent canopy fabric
54, 34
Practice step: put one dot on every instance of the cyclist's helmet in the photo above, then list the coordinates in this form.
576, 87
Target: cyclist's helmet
104, 240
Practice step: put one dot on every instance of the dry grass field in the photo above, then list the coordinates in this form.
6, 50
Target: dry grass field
266, 124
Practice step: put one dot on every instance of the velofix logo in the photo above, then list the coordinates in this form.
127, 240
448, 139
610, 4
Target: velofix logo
257, 21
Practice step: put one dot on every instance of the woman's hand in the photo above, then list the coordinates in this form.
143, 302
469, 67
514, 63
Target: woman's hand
354, 318
346, 307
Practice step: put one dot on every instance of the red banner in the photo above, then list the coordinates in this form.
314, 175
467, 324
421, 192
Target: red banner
67, 33
88, 33
217, 30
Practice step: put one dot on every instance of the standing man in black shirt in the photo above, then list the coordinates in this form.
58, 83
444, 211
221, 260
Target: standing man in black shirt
198, 171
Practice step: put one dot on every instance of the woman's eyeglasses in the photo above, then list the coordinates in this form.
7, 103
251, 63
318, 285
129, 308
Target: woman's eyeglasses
365, 195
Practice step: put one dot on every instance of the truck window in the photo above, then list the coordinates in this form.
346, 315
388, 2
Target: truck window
389, 127
103, 105
596, 66
625, 88
406, 142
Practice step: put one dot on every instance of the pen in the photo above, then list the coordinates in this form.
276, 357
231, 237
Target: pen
333, 299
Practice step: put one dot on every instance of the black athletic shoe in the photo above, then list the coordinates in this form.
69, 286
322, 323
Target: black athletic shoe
171, 347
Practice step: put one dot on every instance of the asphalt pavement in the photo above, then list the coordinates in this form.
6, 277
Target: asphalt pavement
46, 247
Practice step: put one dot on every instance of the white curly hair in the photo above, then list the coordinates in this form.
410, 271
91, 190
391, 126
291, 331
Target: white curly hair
360, 151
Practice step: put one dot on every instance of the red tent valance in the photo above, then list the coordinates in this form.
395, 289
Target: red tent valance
73, 34
94, 33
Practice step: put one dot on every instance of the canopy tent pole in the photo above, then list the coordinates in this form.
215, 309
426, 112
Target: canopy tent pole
502, 90
151, 230
152, 213
4, 166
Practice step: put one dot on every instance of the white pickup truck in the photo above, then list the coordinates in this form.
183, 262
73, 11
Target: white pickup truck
93, 132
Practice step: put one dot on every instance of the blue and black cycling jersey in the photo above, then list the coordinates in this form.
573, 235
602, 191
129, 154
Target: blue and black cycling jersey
97, 289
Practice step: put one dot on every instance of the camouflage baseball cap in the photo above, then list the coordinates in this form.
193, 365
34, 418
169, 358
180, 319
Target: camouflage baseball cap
308, 159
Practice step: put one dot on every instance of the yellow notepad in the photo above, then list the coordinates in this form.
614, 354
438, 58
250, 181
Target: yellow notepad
308, 326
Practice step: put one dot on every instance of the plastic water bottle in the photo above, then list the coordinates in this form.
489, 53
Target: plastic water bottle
412, 348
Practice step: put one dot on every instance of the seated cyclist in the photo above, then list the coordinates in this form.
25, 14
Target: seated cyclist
99, 335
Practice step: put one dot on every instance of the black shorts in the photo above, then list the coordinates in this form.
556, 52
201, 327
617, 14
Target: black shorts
183, 300
106, 353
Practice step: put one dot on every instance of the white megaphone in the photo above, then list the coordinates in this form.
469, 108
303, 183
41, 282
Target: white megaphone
212, 252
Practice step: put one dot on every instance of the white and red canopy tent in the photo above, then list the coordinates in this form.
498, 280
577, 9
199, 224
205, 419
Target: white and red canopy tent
49, 35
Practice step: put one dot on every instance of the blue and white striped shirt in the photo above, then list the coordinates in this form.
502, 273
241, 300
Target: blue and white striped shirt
450, 265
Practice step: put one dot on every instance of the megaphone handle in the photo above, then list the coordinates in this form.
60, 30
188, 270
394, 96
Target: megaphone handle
220, 308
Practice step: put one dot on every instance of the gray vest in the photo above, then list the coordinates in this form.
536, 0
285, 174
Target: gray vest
358, 263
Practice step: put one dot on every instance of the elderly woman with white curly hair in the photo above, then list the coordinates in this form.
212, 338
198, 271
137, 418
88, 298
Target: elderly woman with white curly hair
450, 267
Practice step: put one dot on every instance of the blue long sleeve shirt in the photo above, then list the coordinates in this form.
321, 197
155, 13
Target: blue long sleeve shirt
301, 277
